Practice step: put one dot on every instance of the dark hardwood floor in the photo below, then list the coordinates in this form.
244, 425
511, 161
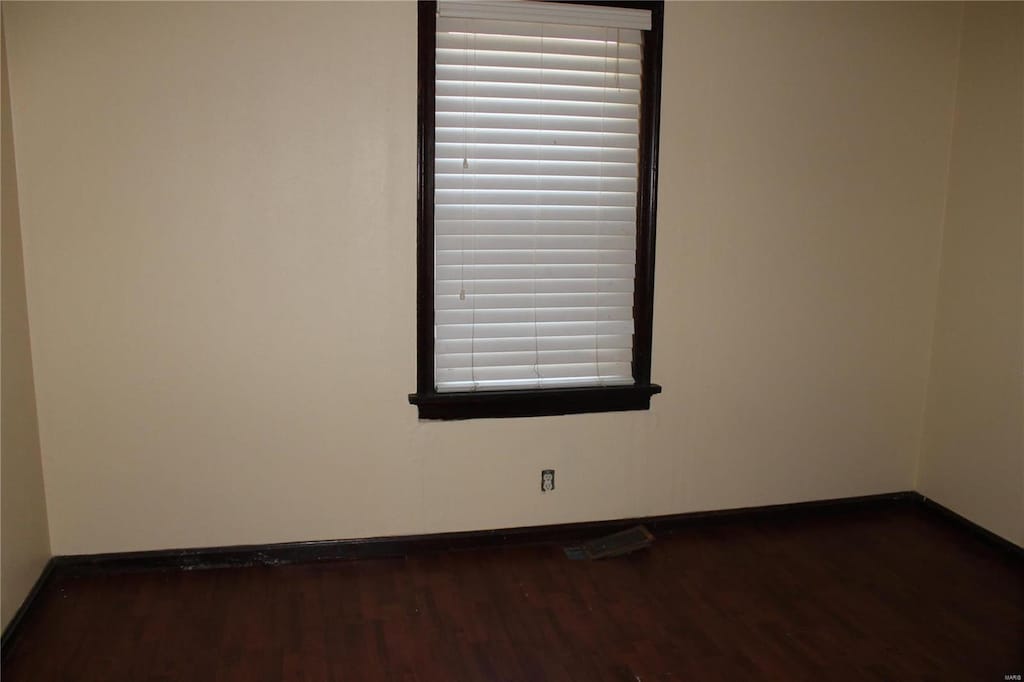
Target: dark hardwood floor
892, 592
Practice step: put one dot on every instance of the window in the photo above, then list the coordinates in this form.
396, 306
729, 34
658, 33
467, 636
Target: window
538, 128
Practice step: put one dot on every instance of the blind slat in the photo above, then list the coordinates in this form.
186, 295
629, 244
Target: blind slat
587, 370
476, 122
529, 357
466, 153
499, 330
472, 55
534, 227
570, 138
545, 242
524, 315
495, 19
532, 106
532, 198
523, 384
497, 41
491, 301
475, 73
544, 183
533, 344
536, 256
536, 212
565, 285
531, 272
549, 91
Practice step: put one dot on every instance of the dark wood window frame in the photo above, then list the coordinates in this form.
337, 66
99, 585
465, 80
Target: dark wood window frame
543, 401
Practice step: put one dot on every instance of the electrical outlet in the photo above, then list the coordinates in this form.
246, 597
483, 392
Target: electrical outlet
547, 480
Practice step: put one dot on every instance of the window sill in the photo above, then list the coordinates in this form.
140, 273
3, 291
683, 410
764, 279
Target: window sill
533, 403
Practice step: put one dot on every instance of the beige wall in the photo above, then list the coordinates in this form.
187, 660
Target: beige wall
219, 212
973, 453
24, 538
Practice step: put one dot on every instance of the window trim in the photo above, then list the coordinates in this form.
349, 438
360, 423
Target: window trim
542, 401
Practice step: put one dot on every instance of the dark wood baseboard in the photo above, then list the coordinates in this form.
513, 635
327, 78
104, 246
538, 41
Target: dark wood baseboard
976, 530
379, 547
10, 634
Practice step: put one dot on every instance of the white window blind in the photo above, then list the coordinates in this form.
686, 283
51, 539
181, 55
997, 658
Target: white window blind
537, 144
